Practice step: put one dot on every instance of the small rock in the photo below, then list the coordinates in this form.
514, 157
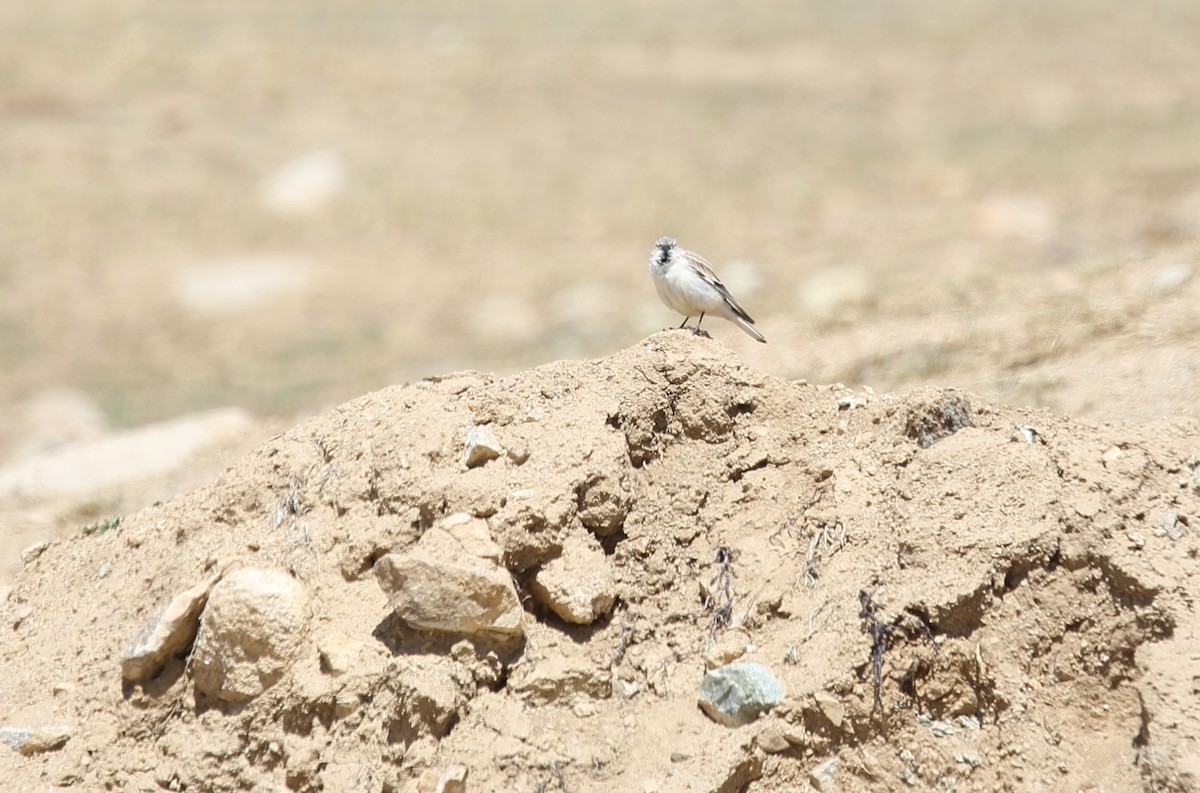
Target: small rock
1087, 505
34, 740
939, 418
438, 586
821, 777
20, 614
939, 727
850, 402
968, 758
731, 646
578, 585
167, 634
341, 654
252, 629
30, 554
473, 534
1173, 526
772, 741
832, 707
480, 446
452, 780
739, 693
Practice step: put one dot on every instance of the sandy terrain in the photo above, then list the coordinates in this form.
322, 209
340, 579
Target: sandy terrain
1028, 607
228, 207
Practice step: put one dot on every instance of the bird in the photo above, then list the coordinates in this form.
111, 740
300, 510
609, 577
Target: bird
687, 284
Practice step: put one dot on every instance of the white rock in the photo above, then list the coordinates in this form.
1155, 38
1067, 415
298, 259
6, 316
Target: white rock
481, 445
439, 586
306, 184
578, 585
253, 627
168, 633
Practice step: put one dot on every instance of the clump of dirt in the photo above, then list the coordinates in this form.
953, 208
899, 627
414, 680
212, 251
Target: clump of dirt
951, 592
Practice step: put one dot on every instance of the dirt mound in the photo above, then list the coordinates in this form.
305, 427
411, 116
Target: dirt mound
950, 592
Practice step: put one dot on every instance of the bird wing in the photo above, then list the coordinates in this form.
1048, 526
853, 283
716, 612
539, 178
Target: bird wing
708, 274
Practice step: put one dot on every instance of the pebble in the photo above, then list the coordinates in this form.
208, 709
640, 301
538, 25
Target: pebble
480, 445
31, 554
821, 777
968, 758
34, 740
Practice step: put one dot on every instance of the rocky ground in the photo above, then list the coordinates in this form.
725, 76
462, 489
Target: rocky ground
222, 219
519, 582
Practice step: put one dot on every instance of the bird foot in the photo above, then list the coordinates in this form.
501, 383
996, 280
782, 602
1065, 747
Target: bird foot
699, 332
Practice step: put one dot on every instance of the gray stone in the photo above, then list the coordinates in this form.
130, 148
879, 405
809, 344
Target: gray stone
439, 586
739, 693
252, 630
168, 633
480, 446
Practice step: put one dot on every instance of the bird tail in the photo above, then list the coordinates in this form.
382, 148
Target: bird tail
745, 323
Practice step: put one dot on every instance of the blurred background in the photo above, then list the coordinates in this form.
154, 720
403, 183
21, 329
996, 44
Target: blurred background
276, 207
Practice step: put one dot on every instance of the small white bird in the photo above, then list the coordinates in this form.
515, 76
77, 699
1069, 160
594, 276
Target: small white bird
687, 284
